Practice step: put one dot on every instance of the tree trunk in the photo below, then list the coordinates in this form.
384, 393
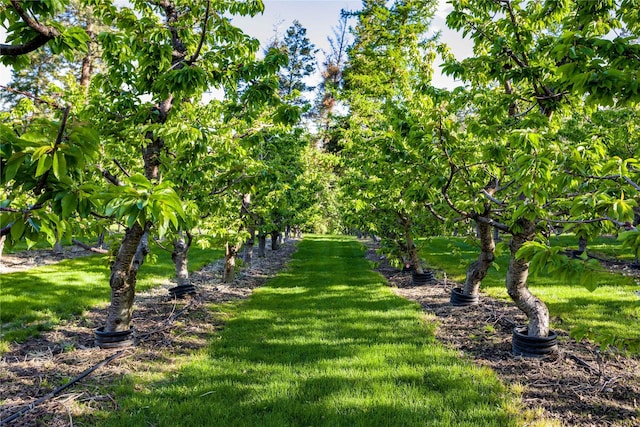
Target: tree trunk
275, 240
516, 282
245, 212
124, 272
287, 233
229, 262
180, 257
412, 251
57, 247
262, 245
582, 245
2, 240
86, 71
100, 243
247, 255
496, 235
477, 271
414, 258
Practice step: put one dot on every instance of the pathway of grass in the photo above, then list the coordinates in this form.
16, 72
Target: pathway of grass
611, 312
39, 298
325, 343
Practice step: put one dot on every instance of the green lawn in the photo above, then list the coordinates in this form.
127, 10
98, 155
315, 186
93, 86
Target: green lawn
325, 343
39, 298
611, 312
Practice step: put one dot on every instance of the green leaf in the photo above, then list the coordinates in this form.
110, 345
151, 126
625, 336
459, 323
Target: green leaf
17, 229
13, 165
69, 204
30, 243
40, 152
140, 180
44, 164
59, 165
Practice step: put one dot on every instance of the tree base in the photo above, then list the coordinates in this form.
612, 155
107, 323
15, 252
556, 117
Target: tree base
182, 291
118, 339
459, 299
526, 346
418, 279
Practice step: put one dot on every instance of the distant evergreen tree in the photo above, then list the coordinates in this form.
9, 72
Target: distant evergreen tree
301, 53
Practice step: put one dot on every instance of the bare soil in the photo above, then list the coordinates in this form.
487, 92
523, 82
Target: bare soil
25, 260
166, 329
578, 386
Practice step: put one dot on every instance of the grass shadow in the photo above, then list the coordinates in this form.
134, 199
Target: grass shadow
324, 344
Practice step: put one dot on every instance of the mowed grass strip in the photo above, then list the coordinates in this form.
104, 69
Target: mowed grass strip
325, 343
37, 299
611, 312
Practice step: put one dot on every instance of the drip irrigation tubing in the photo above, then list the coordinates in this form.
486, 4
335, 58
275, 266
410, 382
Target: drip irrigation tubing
88, 371
58, 390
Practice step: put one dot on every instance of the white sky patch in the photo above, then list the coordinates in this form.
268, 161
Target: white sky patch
444, 7
5, 72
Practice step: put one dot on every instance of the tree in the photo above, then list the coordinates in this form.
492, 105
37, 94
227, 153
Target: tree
300, 52
389, 61
330, 86
520, 111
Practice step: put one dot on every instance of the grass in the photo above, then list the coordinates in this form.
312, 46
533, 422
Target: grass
610, 314
325, 343
36, 300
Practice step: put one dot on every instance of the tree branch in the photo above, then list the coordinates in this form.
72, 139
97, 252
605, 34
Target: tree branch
633, 184
609, 177
31, 96
23, 49
203, 35
110, 177
226, 187
43, 179
447, 199
124, 171
439, 217
45, 33
625, 225
4, 231
490, 197
89, 248
493, 223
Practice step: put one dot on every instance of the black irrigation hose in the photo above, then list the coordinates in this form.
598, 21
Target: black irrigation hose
61, 388
85, 373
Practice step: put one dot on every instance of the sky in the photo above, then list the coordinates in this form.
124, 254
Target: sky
319, 17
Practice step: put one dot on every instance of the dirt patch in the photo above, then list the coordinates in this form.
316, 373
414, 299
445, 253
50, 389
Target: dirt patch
25, 260
578, 386
39, 365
